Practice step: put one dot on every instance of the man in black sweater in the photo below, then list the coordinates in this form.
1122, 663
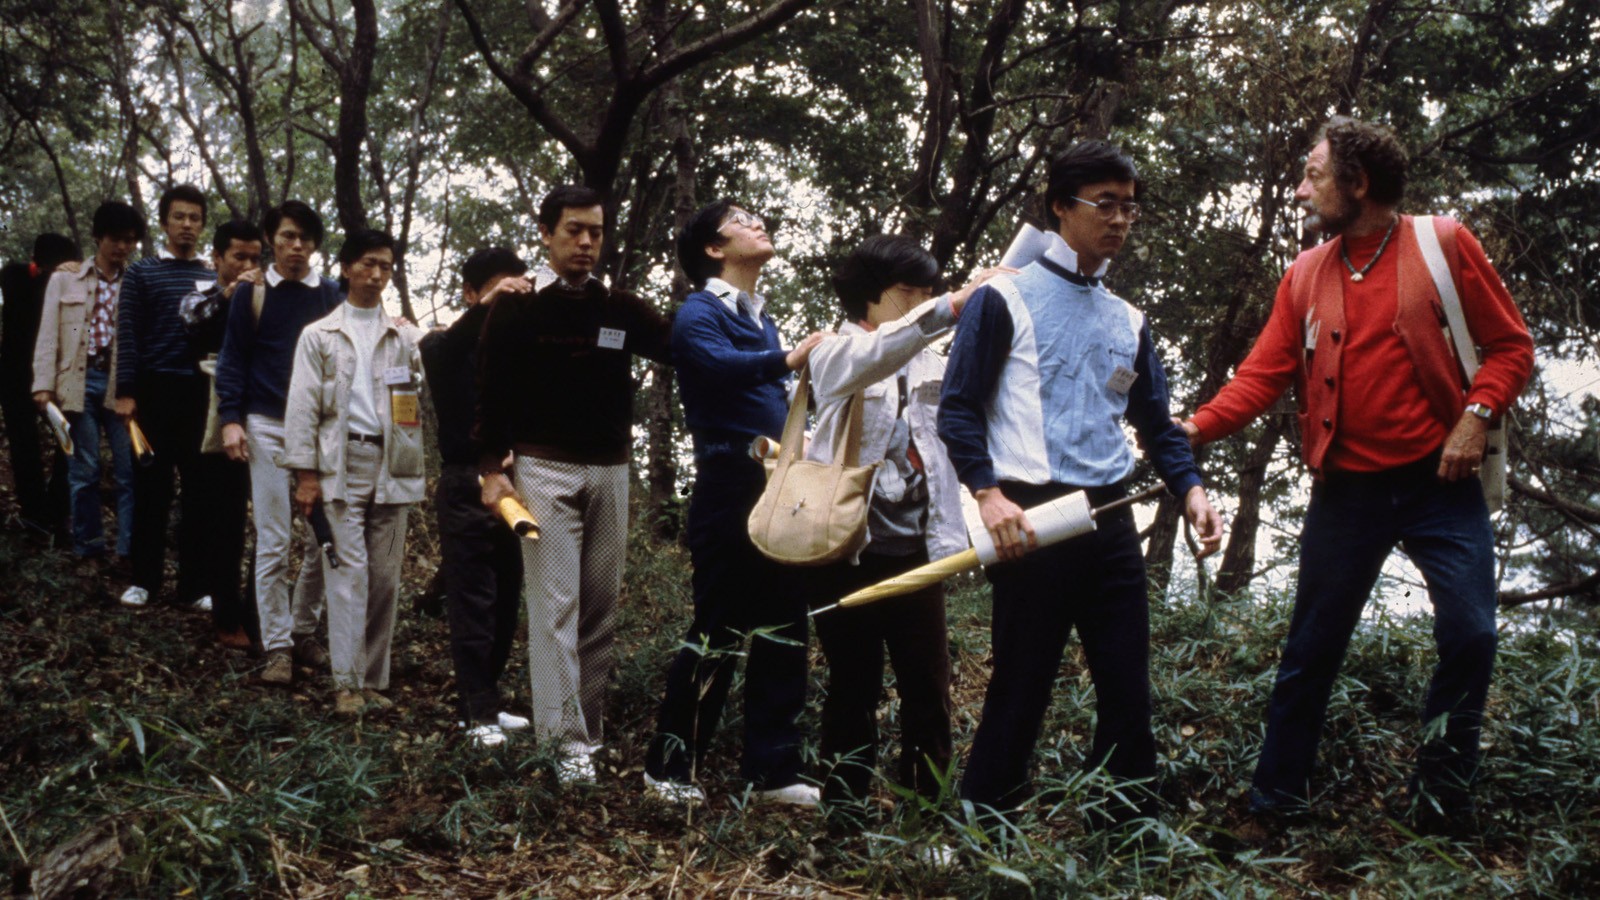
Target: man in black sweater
556, 387
22, 284
481, 558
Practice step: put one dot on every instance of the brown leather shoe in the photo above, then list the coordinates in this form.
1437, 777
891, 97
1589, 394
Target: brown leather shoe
377, 702
348, 703
279, 670
308, 652
234, 640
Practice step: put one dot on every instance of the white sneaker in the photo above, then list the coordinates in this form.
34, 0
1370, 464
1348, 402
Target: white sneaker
135, 597
676, 793
797, 794
203, 605
576, 765
486, 736
509, 722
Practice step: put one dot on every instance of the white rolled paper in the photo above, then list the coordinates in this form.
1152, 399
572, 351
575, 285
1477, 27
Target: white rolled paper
58, 424
1029, 244
1053, 522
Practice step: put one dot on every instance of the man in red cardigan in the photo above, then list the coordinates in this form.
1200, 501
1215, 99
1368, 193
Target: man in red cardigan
1394, 436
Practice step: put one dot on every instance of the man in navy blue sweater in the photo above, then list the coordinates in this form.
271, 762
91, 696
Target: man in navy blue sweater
732, 372
252, 392
1044, 369
160, 385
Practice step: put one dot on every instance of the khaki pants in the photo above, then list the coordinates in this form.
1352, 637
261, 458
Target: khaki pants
570, 580
283, 619
363, 592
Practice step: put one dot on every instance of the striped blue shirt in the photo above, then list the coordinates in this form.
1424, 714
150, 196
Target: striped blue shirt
150, 333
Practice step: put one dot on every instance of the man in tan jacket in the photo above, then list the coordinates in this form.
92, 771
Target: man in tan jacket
353, 438
72, 364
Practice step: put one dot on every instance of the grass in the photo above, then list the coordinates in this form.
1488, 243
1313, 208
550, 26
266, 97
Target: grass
135, 725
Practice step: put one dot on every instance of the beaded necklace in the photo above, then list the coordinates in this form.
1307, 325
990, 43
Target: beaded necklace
1358, 276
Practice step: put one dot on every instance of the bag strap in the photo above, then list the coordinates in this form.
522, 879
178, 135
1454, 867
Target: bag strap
1460, 334
794, 427
258, 300
850, 454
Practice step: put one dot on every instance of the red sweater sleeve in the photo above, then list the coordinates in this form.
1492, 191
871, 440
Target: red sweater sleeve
1496, 326
1264, 375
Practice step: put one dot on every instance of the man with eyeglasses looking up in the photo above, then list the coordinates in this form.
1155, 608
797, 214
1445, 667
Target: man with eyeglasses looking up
253, 373
1044, 368
732, 375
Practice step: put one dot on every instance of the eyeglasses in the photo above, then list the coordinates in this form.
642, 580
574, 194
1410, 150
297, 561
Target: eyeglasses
745, 220
1108, 209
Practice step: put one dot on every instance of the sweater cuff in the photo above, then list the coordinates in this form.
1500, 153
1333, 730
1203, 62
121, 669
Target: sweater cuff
1206, 423
1183, 484
776, 365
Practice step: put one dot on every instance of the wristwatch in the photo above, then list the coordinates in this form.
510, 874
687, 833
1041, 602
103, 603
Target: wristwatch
1481, 410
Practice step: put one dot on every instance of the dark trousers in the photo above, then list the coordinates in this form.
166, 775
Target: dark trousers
1096, 583
481, 571
172, 414
225, 489
1353, 523
736, 590
912, 628
43, 502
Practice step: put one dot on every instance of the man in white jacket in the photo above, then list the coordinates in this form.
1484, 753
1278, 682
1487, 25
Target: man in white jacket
886, 289
353, 438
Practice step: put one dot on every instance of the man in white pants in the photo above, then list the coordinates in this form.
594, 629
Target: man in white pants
252, 388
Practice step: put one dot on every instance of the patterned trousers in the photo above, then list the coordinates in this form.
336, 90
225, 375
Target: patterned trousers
570, 580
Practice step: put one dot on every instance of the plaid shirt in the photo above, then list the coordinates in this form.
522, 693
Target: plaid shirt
103, 322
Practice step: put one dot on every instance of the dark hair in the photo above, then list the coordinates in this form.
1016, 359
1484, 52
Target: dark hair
1088, 162
485, 264
51, 250
1355, 147
358, 243
881, 262
188, 193
115, 217
236, 230
297, 212
692, 240
567, 196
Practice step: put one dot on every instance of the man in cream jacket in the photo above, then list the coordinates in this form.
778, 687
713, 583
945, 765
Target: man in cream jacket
353, 437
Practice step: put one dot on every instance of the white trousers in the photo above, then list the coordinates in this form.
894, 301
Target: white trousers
364, 592
271, 490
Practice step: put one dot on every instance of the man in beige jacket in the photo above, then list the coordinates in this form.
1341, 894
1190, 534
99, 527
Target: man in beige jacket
353, 438
72, 364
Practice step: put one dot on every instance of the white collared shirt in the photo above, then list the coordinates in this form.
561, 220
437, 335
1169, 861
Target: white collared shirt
275, 278
733, 298
544, 276
1061, 253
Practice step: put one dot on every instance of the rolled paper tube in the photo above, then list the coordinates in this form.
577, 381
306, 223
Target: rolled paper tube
764, 447
519, 518
58, 424
143, 453
1053, 522
1029, 244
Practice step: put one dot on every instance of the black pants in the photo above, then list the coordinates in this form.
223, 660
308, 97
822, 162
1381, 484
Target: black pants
481, 570
172, 414
736, 590
912, 628
1096, 583
43, 503
225, 486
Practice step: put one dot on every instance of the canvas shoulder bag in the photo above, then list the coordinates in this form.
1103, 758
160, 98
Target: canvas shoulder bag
814, 513
211, 441
1493, 471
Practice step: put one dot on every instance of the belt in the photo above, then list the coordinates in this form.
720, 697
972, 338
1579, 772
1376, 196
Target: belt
100, 362
374, 439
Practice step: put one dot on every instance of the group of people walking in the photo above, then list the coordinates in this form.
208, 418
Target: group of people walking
314, 409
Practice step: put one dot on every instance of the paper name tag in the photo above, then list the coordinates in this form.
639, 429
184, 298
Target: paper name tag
1122, 379
612, 338
404, 408
396, 375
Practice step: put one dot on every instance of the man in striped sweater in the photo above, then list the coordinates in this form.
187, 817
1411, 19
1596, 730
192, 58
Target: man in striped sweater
160, 387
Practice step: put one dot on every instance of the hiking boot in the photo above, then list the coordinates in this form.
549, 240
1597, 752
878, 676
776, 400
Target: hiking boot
279, 670
234, 640
309, 652
376, 702
348, 703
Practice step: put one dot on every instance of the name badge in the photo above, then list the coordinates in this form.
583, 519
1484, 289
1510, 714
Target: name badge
396, 375
405, 409
612, 338
1122, 379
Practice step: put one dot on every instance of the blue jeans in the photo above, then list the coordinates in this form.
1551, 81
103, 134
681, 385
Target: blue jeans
83, 474
1353, 523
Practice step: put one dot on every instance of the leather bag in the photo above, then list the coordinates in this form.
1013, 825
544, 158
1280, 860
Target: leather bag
814, 513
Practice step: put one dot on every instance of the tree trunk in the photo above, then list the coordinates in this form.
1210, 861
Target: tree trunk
1239, 559
355, 84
